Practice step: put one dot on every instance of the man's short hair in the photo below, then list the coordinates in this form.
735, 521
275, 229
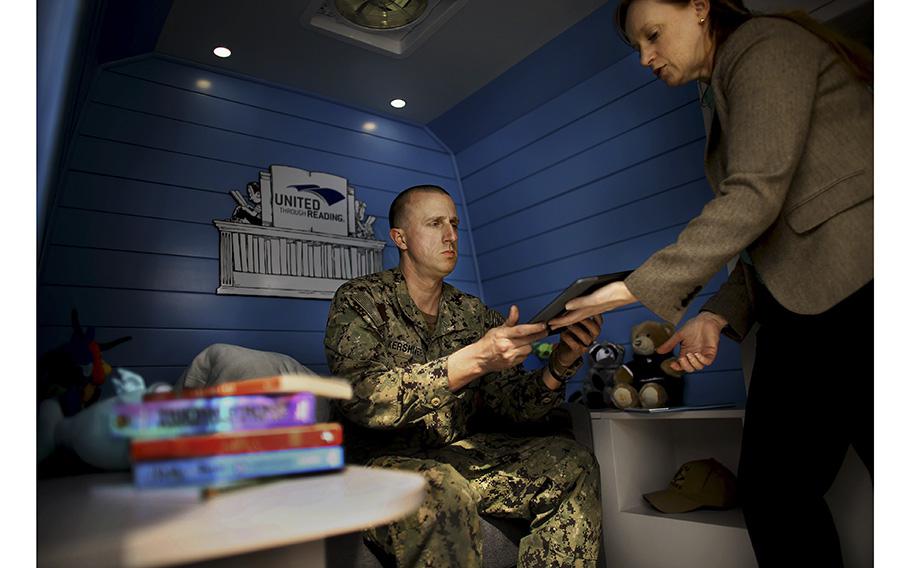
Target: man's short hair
397, 209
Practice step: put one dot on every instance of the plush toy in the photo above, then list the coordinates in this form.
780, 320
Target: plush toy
74, 372
603, 361
542, 350
647, 380
88, 434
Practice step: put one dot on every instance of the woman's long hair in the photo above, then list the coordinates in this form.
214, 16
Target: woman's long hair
725, 16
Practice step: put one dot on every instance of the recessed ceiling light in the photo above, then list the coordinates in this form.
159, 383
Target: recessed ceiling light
221, 51
398, 103
203, 83
369, 126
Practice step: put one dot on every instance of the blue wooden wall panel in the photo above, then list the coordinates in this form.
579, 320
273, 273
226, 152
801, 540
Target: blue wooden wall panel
130, 161
77, 227
133, 94
577, 260
572, 105
96, 229
79, 266
132, 245
74, 265
631, 112
613, 190
619, 224
195, 78
669, 132
178, 310
173, 347
570, 58
115, 194
593, 181
146, 131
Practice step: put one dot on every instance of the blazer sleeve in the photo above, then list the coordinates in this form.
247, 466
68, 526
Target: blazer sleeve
768, 82
733, 302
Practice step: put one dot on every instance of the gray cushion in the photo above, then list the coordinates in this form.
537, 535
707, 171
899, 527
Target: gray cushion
221, 363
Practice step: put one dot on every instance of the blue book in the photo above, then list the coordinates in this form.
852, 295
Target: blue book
217, 470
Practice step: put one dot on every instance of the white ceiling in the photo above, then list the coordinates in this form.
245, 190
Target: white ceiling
481, 41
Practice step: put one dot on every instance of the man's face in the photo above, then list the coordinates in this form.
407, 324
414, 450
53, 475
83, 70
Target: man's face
430, 233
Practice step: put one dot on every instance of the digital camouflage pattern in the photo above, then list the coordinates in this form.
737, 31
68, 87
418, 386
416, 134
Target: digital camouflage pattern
403, 416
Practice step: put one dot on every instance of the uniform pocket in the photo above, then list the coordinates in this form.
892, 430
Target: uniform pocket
844, 193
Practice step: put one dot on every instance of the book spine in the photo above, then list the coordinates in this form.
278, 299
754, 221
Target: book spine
178, 417
317, 435
265, 385
215, 470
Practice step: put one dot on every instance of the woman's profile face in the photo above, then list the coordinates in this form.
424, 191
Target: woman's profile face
671, 40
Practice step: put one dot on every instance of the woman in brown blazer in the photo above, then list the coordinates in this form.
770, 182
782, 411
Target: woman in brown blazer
789, 157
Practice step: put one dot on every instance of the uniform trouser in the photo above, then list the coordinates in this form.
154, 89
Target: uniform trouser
810, 397
553, 482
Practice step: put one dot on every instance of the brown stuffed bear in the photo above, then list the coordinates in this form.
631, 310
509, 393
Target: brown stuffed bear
647, 380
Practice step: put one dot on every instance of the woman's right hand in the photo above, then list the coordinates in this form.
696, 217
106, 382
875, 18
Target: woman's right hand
699, 337
608, 297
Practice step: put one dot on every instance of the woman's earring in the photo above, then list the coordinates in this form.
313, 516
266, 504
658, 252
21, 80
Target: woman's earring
701, 21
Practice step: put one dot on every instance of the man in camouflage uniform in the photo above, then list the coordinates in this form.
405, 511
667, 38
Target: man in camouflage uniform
427, 362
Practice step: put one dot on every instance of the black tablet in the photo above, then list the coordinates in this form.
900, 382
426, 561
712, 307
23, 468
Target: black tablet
580, 287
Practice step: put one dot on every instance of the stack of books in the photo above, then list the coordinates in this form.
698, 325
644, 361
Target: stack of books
232, 433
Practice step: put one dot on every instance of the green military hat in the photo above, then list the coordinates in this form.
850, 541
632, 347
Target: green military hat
699, 483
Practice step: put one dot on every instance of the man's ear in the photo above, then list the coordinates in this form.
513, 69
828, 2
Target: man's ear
398, 238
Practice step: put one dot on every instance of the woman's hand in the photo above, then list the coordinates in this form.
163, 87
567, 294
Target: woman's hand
606, 298
575, 340
700, 337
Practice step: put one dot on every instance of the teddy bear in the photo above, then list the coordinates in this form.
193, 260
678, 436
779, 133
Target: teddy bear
648, 380
603, 360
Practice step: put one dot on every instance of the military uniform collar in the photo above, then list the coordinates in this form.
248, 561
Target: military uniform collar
447, 321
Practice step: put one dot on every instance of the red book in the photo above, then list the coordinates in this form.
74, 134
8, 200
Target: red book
328, 387
294, 437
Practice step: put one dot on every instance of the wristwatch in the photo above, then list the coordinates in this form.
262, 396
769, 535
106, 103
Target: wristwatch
562, 375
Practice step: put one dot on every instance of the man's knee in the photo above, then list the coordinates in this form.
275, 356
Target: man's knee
448, 492
445, 529
573, 458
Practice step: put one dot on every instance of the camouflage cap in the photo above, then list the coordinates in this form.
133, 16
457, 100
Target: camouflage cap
700, 483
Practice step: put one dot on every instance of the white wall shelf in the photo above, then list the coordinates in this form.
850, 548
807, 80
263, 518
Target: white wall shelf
737, 413
639, 453
732, 518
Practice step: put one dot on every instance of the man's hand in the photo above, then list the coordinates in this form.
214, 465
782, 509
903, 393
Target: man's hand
508, 345
604, 299
575, 340
700, 337
499, 349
